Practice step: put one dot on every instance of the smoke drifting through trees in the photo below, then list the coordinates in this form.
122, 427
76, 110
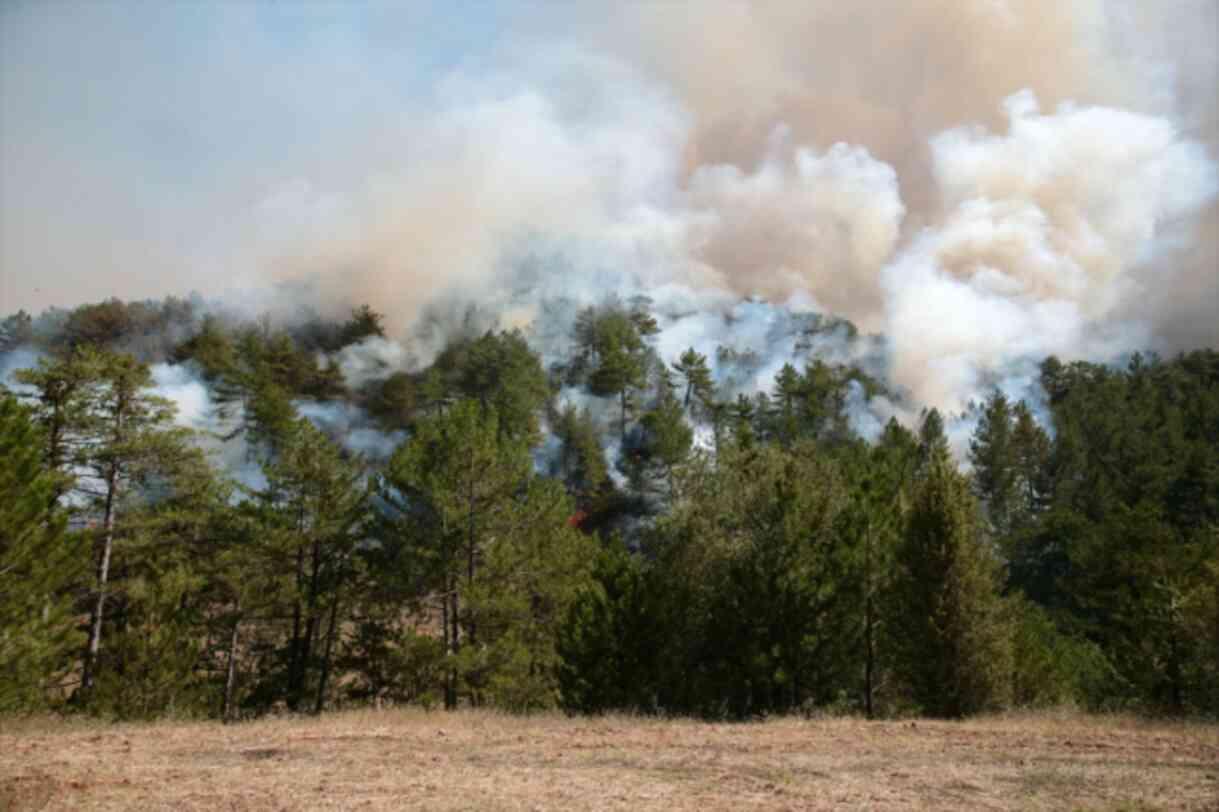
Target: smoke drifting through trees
673, 262
750, 515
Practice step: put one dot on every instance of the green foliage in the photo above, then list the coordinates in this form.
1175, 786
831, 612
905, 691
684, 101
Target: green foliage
664, 445
212, 348
693, 369
364, 323
500, 557
502, 374
16, 330
314, 510
609, 643
155, 653
954, 641
395, 400
393, 661
748, 582
1050, 668
39, 567
613, 358
581, 461
993, 455
1124, 540
528, 582
878, 480
788, 566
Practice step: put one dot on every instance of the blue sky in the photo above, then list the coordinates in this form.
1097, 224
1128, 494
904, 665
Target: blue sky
131, 133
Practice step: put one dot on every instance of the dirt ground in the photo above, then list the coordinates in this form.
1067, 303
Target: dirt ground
382, 760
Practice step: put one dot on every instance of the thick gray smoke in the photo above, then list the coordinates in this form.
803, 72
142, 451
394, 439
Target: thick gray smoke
981, 183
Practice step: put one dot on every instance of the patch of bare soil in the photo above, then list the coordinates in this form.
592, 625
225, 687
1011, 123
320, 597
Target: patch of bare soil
473, 761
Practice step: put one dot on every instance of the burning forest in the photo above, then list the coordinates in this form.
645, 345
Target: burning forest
806, 355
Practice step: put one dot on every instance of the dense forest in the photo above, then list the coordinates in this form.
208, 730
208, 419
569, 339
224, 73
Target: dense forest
453, 532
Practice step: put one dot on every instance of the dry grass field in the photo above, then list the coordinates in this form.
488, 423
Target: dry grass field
471, 760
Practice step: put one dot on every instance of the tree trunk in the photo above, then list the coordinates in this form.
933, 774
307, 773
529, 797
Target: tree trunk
55, 455
103, 576
470, 554
294, 657
869, 650
450, 642
230, 677
311, 626
321, 684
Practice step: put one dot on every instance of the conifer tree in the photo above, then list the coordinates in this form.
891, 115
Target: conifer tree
581, 460
787, 403
451, 485
666, 444
59, 394
315, 507
40, 566
878, 481
104, 426
501, 372
128, 433
1031, 452
693, 369
613, 352
932, 440
992, 453
949, 618
463, 495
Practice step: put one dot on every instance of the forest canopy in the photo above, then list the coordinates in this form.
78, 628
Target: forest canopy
207, 515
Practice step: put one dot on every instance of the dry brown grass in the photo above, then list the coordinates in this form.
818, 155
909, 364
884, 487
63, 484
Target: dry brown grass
399, 759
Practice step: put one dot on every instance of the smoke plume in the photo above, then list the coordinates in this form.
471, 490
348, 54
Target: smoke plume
980, 183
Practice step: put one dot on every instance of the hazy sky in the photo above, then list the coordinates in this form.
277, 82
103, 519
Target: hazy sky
139, 140
984, 181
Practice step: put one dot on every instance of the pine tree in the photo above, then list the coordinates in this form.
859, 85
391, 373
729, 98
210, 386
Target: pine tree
1031, 453
992, 453
693, 369
39, 569
451, 485
878, 480
932, 439
127, 434
315, 505
948, 616
105, 427
501, 372
364, 323
496, 545
667, 443
748, 583
581, 461
743, 412
789, 391
530, 576
60, 389
613, 352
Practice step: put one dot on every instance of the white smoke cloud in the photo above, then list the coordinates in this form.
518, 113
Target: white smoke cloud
819, 223
348, 425
189, 394
374, 358
13, 361
1049, 230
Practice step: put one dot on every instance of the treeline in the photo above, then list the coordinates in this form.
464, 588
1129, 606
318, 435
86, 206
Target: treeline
674, 547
